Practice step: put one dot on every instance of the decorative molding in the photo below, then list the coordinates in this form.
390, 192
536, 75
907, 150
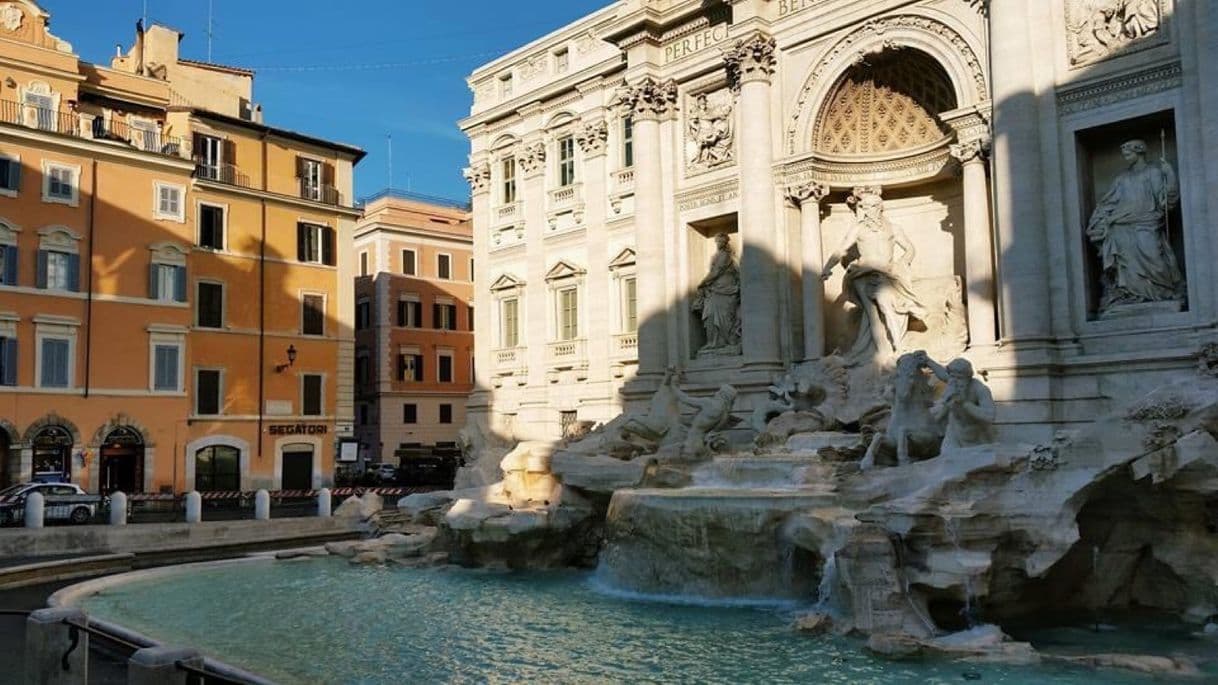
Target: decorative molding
479, 177
593, 137
710, 135
919, 166
713, 194
1156, 79
871, 38
974, 150
531, 157
751, 59
648, 99
800, 194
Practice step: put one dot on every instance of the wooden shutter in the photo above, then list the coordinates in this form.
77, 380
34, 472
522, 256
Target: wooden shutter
327, 246
8, 354
42, 269
74, 273
196, 147
301, 237
14, 175
10, 265
435, 317
300, 166
154, 290
179, 284
418, 367
230, 154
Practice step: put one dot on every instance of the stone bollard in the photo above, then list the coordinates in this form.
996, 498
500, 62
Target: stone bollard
35, 508
118, 508
194, 507
324, 503
262, 505
159, 666
48, 640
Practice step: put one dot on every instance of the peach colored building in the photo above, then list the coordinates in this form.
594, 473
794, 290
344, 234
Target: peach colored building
175, 281
414, 323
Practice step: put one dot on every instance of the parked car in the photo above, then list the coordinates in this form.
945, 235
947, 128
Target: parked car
63, 502
386, 473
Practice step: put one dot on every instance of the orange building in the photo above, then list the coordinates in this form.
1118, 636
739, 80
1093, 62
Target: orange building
175, 286
414, 323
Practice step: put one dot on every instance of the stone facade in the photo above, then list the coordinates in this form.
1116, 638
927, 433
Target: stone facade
985, 139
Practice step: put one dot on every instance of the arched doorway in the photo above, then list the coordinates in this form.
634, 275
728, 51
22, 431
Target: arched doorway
217, 467
51, 448
121, 461
297, 467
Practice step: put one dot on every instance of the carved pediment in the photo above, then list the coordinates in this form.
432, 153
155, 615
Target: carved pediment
564, 269
506, 282
625, 258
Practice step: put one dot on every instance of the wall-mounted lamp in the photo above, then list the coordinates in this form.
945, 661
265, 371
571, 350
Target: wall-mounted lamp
280, 368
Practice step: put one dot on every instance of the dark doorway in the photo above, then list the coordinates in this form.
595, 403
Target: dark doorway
122, 462
297, 468
52, 452
6, 467
218, 468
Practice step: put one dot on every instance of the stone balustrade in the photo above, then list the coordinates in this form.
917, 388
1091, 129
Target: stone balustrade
623, 180
625, 346
566, 352
561, 198
508, 213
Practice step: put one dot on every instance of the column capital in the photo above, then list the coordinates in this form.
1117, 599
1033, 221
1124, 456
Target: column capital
531, 157
593, 137
478, 175
975, 150
647, 99
751, 59
810, 192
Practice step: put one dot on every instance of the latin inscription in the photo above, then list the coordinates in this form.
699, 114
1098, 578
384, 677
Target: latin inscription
695, 43
789, 7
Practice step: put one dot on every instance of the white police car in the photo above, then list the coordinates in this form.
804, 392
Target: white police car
62, 501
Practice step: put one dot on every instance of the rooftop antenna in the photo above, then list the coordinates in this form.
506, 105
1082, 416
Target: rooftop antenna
145, 12
389, 140
210, 14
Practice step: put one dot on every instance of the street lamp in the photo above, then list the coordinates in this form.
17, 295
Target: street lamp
280, 368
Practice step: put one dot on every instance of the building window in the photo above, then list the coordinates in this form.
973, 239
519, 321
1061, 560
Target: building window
408, 262
313, 315
469, 316
410, 413
10, 175
361, 367
505, 85
169, 201
446, 413
315, 244
562, 61
509, 180
566, 421
208, 392
361, 417
568, 314
8, 264
58, 270
311, 178
166, 371
471, 269
209, 305
410, 312
410, 366
627, 142
40, 110
566, 161
363, 314
55, 362
218, 468
509, 329
211, 226
310, 395
209, 156
444, 267
60, 183
445, 368
630, 305
166, 282
444, 316
8, 360
363, 263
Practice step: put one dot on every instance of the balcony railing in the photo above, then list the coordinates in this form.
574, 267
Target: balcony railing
318, 192
565, 352
509, 359
508, 212
564, 196
228, 174
80, 125
624, 179
625, 346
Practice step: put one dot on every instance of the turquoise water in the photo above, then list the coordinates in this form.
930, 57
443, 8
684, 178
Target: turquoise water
325, 622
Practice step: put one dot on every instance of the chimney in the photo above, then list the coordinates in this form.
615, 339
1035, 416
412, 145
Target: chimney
137, 52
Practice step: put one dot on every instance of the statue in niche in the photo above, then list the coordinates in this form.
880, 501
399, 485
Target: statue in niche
1100, 28
966, 404
877, 279
1130, 229
913, 429
718, 302
710, 130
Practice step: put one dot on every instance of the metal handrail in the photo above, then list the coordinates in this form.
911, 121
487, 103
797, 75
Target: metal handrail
72, 123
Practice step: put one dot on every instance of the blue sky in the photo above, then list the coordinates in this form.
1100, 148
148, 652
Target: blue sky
352, 71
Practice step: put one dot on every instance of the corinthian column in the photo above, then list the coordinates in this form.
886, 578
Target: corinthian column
479, 177
750, 64
978, 241
807, 197
593, 138
649, 101
531, 161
